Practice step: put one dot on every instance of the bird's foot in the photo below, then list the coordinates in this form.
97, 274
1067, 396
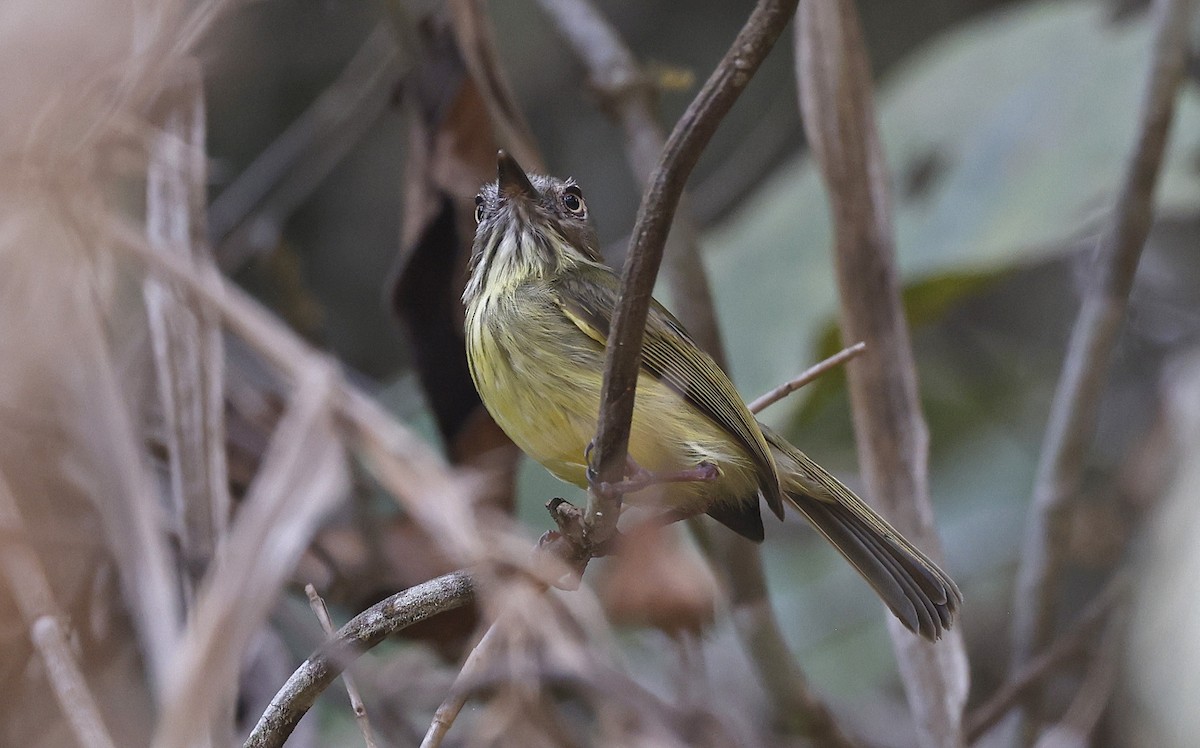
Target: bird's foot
639, 478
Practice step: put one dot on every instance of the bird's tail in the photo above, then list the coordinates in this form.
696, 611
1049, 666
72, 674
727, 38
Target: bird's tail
921, 595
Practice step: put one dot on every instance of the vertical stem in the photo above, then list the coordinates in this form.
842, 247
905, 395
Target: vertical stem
1089, 351
893, 440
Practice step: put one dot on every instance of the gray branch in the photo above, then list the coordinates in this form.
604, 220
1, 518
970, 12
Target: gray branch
1089, 351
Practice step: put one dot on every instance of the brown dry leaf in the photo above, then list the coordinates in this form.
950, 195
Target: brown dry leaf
451, 153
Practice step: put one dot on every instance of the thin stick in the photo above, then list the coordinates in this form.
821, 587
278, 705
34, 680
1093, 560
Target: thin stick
31, 591
361, 633
317, 603
1070, 643
683, 148
449, 709
807, 376
288, 170
76, 700
185, 338
1095, 693
1089, 352
628, 97
473, 33
838, 111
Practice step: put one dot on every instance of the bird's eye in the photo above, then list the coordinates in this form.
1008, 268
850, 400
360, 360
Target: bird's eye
478, 208
572, 200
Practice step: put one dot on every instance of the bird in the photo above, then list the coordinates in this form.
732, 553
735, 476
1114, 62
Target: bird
539, 303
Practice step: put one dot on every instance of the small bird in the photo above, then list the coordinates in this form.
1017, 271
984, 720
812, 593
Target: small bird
539, 303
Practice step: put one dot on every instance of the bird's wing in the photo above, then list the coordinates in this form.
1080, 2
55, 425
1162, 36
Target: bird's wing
588, 295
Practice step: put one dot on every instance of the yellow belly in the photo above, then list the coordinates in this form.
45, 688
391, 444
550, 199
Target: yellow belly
540, 378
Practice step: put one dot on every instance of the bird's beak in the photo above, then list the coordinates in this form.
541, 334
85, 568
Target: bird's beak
512, 177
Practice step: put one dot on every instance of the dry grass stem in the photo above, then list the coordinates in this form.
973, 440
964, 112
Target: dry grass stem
302, 477
35, 599
838, 110
317, 603
807, 376
1071, 423
406, 466
186, 338
70, 688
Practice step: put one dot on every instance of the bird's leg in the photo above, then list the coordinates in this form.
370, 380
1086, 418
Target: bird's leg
638, 477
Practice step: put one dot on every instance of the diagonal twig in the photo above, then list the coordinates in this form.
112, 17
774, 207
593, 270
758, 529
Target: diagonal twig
807, 376
838, 110
317, 603
1089, 350
683, 148
31, 591
246, 218
473, 32
362, 632
185, 338
1062, 649
628, 97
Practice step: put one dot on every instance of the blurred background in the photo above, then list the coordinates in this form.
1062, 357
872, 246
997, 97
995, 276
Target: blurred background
344, 148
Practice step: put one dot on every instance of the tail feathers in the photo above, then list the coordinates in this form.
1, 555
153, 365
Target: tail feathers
920, 594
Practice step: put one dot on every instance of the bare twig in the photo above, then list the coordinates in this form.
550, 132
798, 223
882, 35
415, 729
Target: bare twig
628, 97
808, 375
362, 632
403, 463
246, 218
683, 148
186, 338
69, 686
890, 431
1062, 649
1089, 351
30, 589
302, 477
449, 709
1075, 729
317, 603
473, 32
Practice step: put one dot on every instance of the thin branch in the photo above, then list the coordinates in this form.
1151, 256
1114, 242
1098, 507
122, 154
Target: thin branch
399, 459
186, 338
1071, 424
317, 603
1062, 649
246, 218
77, 702
683, 148
361, 633
31, 591
892, 437
456, 699
628, 96
1095, 693
808, 375
473, 32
